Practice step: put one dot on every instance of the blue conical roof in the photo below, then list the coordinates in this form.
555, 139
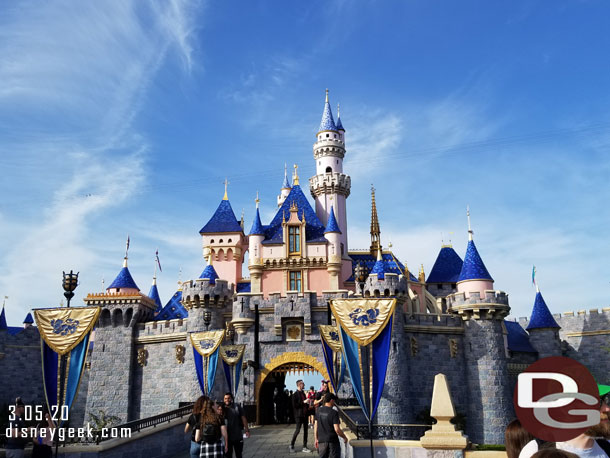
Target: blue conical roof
154, 295
286, 184
3, 324
257, 226
380, 268
473, 267
28, 319
328, 122
173, 309
332, 225
209, 272
340, 124
223, 220
124, 280
447, 267
541, 315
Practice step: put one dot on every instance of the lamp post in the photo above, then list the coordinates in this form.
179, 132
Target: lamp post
69, 284
230, 332
207, 318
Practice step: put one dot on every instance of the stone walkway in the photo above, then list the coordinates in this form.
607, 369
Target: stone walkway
272, 441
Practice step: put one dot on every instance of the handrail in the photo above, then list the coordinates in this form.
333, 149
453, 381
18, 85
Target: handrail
403, 431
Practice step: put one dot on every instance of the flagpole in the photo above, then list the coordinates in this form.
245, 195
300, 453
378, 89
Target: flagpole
370, 348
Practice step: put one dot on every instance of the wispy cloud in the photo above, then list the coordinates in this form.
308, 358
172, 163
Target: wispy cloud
75, 75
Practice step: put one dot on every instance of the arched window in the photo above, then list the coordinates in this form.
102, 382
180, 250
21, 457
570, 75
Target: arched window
220, 241
329, 170
229, 241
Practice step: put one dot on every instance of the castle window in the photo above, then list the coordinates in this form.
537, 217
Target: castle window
229, 241
327, 135
329, 170
295, 281
335, 135
220, 241
342, 249
337, 161
294, 239
440, 286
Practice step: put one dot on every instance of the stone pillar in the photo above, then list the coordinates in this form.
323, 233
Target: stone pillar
546, 341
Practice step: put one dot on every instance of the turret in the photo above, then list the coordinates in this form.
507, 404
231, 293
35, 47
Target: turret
255, 240
154, 295
332, 233
375, 231
224, 240
474, 277
123, 283
28, 321
445, 272
285, 189
543, 329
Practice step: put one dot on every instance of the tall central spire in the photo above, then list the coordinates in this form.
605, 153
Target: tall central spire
375, 231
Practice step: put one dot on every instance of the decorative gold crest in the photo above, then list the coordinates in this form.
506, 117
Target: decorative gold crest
453, 347
231, 354
330, 334
293, 333
180, 352
142, 356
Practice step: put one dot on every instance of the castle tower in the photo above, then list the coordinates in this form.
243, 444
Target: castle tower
543, 329
445, 272
123, 307
375, 231
285, 189
330, 187
255, 240
474, 277
154, 295
333, 235
224, 240
483, 311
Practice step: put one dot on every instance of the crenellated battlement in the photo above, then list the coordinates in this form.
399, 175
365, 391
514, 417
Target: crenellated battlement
201, 293
336, 182
392, 285
157, 328
578, 320
490, 304
438, 321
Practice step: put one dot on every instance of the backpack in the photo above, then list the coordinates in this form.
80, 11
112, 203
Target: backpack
603, 444
210, 433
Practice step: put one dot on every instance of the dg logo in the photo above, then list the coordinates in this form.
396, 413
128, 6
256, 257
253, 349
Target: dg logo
556, 399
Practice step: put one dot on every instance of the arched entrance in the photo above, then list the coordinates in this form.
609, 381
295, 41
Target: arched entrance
272, 376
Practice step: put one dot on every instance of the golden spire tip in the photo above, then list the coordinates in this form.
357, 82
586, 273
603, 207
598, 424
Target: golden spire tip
226, 196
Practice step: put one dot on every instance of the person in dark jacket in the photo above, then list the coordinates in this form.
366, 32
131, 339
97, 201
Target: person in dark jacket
299, 406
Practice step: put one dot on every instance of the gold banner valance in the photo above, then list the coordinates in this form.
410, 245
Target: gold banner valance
231, 354
363, 319
207, 342
64, 328
330, 334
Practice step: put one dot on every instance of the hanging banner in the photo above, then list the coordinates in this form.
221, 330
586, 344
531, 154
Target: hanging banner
365, 330
205, 352
331, 348
232, 358
65, 336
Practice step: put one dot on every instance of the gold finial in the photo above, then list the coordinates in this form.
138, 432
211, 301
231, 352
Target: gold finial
226, 196
257, 200
469, 228
283, 217
379, 256
295, 177
390, 245
294, 207
326, 95
422, 275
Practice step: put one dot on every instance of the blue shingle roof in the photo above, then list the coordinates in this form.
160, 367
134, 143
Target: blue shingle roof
332, 225
209, 272
14, 330
380, 268
340, 124
154, 295
257, 226
173, 309
473, 267
3, 320
243, 287
28, 319
517, 338
223, 220
541, 315
286, 183
124, 280
447, 267
314, 229
368, 261
327, 119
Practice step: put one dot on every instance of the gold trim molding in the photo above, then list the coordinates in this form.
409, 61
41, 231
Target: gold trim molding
434, 329
176, 337
603, 332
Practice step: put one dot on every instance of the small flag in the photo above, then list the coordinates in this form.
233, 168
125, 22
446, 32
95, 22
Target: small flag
127, 246
157, 259
534, 275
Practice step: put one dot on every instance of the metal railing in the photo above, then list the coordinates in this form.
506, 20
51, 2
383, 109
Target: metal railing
135, 426
397, 432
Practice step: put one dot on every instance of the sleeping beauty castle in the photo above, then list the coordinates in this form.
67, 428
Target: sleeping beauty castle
452, 321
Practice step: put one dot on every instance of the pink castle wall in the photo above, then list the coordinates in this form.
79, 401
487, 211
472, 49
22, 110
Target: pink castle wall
474, 285
226, 266
318, 280
272, 282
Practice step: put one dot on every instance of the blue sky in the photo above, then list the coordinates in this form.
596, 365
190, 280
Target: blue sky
124, 118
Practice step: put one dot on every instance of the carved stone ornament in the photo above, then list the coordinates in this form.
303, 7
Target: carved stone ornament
453, 347
414, 347
293, 332
180, 352
142, 356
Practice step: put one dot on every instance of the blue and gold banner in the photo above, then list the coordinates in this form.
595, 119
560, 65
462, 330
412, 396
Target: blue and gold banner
365, 331
331, 348
205, 352
232, 358
65, 336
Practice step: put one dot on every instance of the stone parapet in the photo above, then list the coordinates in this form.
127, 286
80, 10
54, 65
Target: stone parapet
330, 183
487, 305
392, 285
201, 293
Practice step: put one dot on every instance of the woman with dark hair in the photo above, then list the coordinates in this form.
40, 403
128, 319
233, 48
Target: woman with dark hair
515, 438
210, 431
43, 442
192, 425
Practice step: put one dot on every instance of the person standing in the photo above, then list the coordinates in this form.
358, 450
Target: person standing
15, 444
299, 406
210, 432
237, 426
319, 399
192, 424
327, 430
311, 396
43, 444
